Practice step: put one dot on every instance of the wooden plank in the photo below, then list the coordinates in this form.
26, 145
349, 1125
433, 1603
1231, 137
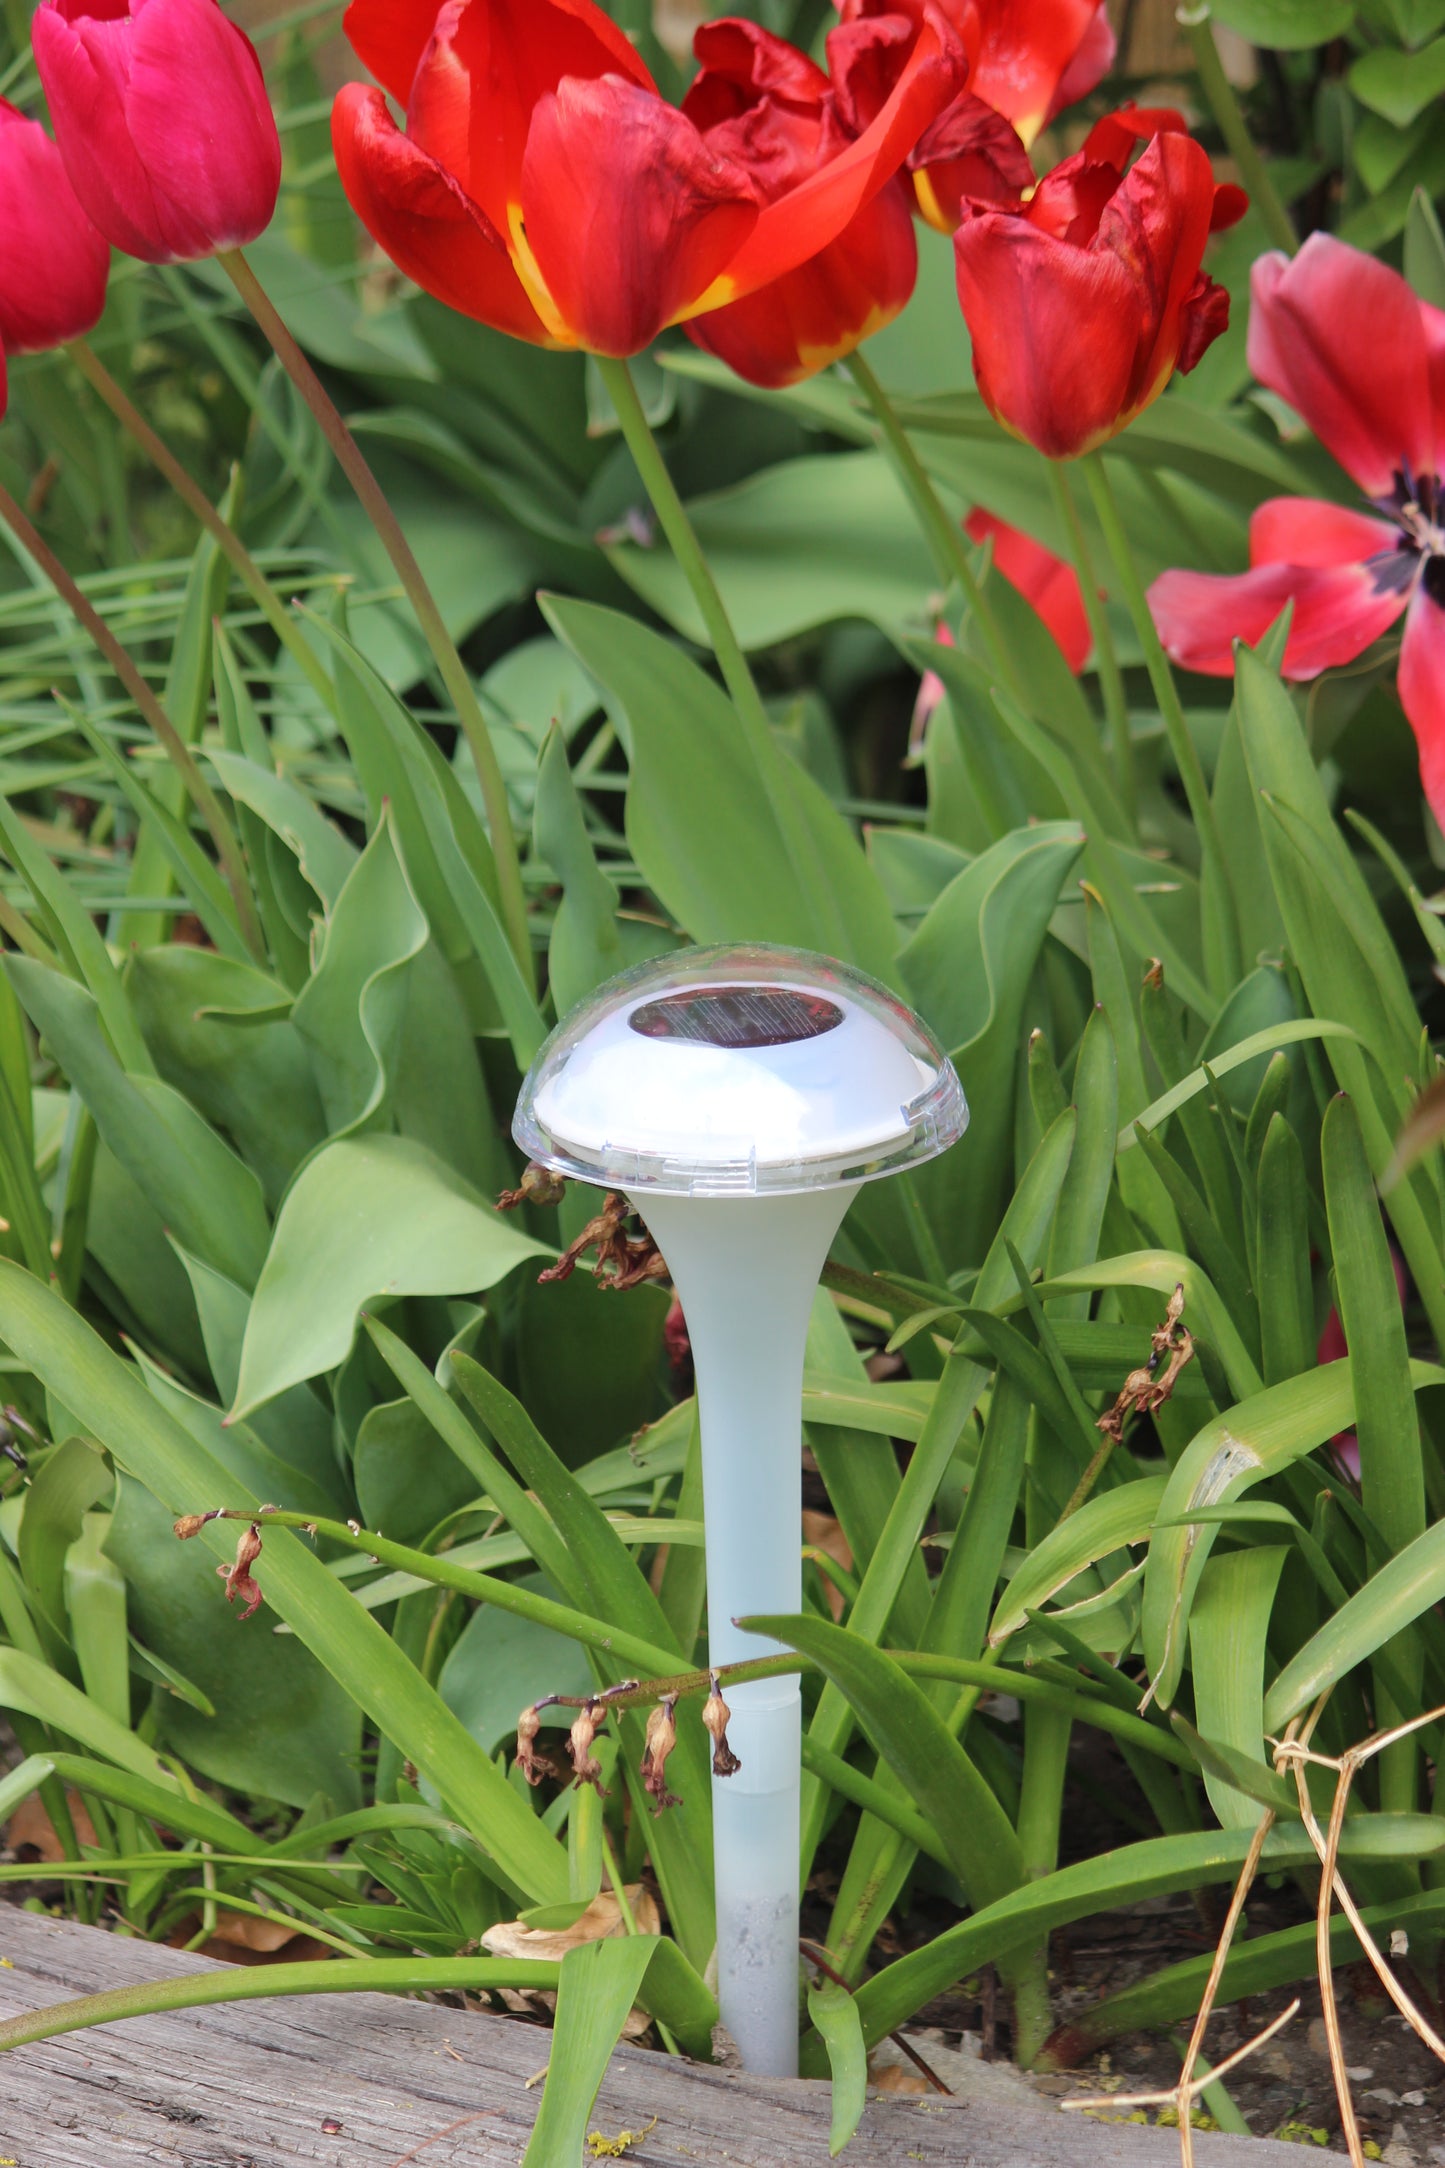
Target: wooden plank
260, 2085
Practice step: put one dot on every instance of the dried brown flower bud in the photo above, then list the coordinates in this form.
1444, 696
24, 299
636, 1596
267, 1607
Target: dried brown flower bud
539, 1185
661, 1739
238, 1577
190, 1524
529, 1723
716, 1716
586, 1769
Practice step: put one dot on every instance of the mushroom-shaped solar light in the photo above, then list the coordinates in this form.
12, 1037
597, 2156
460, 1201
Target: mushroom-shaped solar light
740, 1097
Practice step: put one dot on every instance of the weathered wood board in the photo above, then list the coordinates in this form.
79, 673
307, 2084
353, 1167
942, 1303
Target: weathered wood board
261, 2085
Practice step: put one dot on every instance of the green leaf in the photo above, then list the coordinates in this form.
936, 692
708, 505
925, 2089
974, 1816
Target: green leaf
352, 1010
194, 1180
1400, 1592
1101, 1526
586, 945
71, 1480
803, 543
33, 1689
77, 939
1228, 1628
698, 823
1250, 1442
598, 1985
113, 1404
903, 1724
1398, 86
1282, 1256
275, 1726
1425, 250
1286, 26
968, 970
1259, 1043
367, 1217
835, 2020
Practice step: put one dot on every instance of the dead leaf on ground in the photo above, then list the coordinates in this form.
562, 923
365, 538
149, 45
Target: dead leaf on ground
30, 1828
602, 1919
240, 1939
893, 2078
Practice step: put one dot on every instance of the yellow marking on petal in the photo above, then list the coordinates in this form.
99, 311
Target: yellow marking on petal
930, 206
524, 263
1028, 127
717, 296
813, 358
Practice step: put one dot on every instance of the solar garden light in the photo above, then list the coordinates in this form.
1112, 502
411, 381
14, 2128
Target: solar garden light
739, 1098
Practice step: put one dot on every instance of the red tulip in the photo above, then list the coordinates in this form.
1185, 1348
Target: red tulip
1083, 303
162, 119
544, 186
1359, 357
1027, 60
757, 100
53, 263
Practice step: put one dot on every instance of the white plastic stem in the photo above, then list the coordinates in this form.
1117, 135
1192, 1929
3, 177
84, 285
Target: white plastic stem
746, 1269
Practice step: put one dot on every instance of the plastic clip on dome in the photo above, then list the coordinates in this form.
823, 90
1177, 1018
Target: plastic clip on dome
740, 1097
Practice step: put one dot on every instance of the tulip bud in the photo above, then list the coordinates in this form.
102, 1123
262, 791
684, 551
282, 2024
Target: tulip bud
162, 118
53, 263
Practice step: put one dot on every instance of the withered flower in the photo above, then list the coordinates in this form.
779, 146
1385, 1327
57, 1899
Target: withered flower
238, 1577
539, 1185
586, 1769
661, 1739
191, 1524
716, 1716
623, 1260
529, 1723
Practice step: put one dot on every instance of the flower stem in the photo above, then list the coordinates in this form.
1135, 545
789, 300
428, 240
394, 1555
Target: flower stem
1176, 724
225, 537
1224, 105
1106, 662
794, 837
353, 464
683, 542
946, 538
228, 850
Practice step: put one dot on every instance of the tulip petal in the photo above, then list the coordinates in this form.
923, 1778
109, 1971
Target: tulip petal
1158, 222
628, 213
1090, 64
423, 218
1422, 680
970, 154
1045, 581
486, 69
1341, 337
825, 308
1030, 301
1338, 611
85, 72
740, 62
199, 115
53, 263
804, 221
1026, 50
1308, 531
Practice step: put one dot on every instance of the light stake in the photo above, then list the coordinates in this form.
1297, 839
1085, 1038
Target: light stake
740, 1097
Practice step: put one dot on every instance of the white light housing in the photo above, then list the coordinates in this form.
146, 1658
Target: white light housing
738, 1072
740, 1097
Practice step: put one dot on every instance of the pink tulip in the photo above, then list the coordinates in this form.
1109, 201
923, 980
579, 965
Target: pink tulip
53, 263
163, 121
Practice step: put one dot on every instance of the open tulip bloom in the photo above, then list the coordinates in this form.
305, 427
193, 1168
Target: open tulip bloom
1027, 60
1082, 303
544, 186
1361, 359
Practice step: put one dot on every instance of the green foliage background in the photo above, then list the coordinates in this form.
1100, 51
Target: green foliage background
212, 1163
